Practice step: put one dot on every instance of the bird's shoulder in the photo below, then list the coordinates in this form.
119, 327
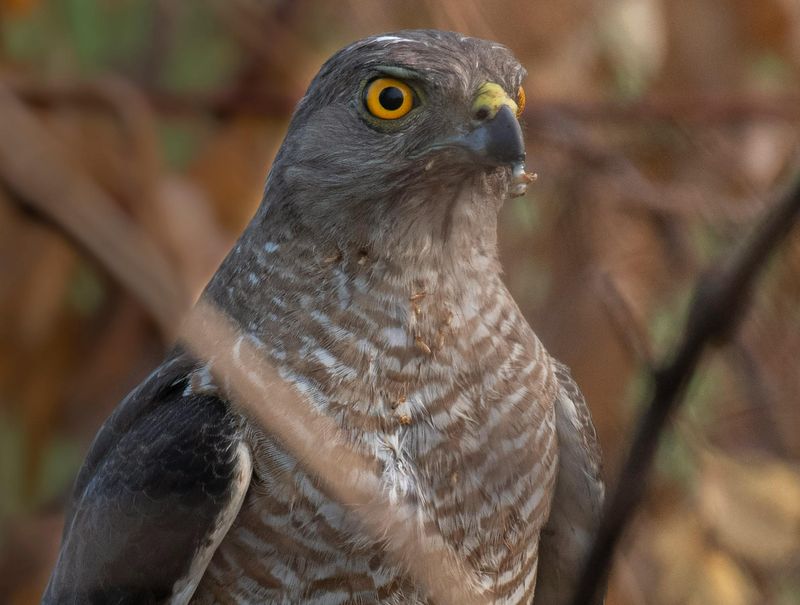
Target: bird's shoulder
160, 486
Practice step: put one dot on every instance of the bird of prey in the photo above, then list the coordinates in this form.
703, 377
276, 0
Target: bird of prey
369, 276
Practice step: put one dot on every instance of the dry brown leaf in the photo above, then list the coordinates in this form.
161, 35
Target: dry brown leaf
752, 507
693, 571
678, 547
722, 582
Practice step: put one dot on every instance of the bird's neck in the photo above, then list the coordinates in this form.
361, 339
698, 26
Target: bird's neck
375, 339
285, 272
299, 295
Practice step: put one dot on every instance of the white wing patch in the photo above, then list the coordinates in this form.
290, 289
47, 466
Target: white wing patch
184, 588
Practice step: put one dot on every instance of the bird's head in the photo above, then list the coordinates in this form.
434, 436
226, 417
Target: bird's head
410, 138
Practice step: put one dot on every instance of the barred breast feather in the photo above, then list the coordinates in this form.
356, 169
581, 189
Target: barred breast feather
435, 376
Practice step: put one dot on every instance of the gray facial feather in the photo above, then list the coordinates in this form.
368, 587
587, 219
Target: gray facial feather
352, 181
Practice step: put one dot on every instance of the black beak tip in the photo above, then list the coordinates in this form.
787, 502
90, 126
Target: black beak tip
504, 144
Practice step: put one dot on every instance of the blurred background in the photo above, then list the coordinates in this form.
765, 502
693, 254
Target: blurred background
135, 137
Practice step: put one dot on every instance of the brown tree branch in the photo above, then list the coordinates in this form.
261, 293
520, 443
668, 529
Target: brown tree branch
717, 308
86, 95
700, 110
623, 319
38, 173
697, 109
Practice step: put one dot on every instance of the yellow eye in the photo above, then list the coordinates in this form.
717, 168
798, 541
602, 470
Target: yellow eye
388, 99
520, 101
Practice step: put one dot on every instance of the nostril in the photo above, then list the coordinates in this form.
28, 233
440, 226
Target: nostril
482, 113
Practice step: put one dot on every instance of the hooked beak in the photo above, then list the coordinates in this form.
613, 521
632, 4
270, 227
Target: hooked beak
496, 141
496, 138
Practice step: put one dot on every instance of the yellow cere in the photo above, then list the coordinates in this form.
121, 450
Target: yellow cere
520, 101
389, 99
491, 97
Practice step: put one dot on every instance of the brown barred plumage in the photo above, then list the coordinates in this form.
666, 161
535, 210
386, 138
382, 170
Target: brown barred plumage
477, 453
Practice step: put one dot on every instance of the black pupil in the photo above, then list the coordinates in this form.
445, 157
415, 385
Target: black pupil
391, 98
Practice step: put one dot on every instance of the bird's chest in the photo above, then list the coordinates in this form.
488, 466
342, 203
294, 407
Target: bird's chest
457, 429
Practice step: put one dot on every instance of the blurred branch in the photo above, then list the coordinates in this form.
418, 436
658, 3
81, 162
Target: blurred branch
760, 391
219, 104
623, 319
625, 182
260, 30
702, 110
39, 176
716, 310
115, 96
698, 109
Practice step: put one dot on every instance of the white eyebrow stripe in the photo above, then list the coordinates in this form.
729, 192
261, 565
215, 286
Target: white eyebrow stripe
391, 39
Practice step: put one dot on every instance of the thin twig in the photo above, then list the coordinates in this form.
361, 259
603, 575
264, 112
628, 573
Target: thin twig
719, 302
623, 320
761, 394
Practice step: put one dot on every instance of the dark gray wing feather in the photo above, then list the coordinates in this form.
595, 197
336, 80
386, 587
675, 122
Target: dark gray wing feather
578, 497
162, 475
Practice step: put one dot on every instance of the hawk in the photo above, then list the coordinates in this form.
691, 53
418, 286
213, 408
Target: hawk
369, 277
